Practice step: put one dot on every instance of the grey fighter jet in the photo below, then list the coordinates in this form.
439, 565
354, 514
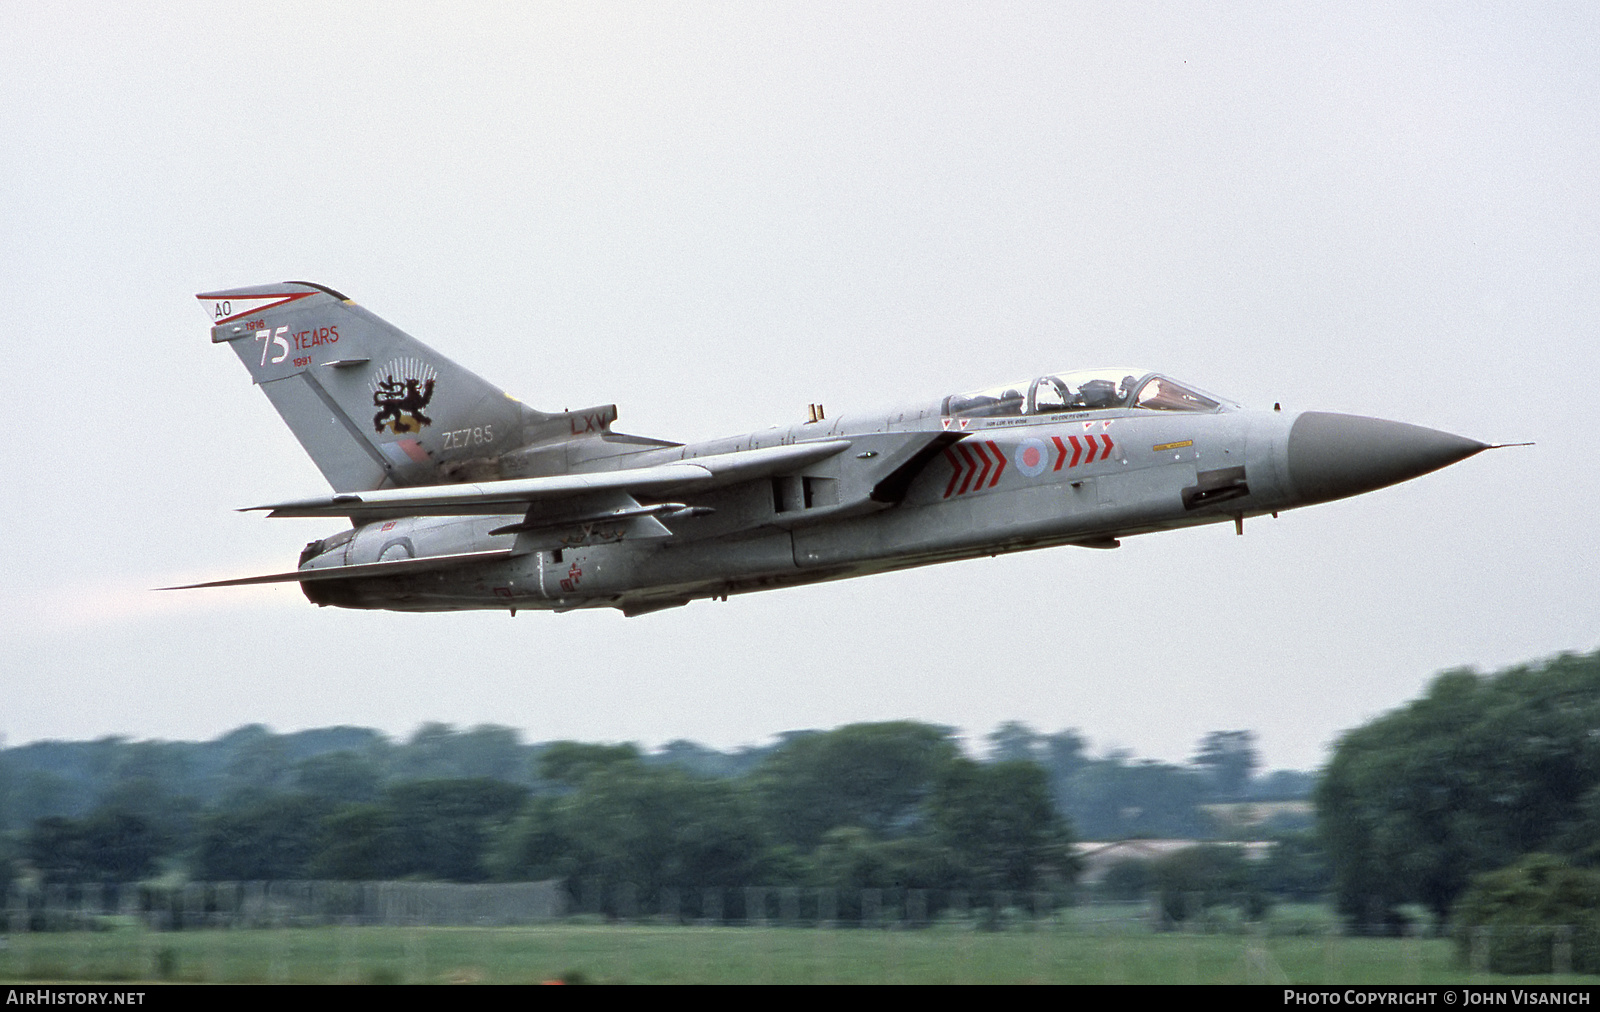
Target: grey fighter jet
460, 496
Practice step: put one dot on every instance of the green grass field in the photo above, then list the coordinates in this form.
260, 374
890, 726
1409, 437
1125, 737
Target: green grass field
666, 955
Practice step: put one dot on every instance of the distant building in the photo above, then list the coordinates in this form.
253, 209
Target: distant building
1097, 857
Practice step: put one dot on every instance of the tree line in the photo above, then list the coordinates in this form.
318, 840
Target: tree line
863, 806
893, 805
1477, 804
1483, 773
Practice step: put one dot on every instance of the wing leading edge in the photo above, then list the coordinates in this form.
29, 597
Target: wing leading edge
517, 494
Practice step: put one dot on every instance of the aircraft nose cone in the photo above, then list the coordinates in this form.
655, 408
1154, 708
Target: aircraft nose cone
1332, 456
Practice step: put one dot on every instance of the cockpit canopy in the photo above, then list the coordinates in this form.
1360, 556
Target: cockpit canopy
1089, 390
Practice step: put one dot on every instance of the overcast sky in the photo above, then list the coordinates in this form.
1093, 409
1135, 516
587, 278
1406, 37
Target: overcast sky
715, 214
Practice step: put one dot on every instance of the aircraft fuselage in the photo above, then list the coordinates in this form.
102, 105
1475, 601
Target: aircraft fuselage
461, 497
997, 485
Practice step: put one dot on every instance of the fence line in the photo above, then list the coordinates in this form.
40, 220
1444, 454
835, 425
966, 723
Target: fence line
282, 904
186, 931
279, 904
297, 903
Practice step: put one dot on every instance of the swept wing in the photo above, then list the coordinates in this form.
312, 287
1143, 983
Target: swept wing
518, 494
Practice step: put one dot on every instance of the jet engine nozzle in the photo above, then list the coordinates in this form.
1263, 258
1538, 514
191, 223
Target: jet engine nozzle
1332, 456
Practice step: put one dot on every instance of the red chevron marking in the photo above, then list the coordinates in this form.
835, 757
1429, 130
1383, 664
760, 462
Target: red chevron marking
978, 452
955, 472
966, 458
999, 467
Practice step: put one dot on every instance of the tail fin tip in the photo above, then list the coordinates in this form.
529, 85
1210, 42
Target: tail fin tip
232, 304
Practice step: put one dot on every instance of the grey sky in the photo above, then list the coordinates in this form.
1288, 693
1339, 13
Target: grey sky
716, 214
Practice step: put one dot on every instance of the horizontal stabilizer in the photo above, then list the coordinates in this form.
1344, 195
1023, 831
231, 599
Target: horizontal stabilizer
398, 567
515, 495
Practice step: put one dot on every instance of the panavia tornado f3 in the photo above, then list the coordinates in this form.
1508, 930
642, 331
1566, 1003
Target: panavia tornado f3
461, 497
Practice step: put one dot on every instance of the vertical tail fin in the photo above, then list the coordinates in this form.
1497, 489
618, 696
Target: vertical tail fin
371, 405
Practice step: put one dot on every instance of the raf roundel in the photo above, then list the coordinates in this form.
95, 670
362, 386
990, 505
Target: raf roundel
1032, 457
